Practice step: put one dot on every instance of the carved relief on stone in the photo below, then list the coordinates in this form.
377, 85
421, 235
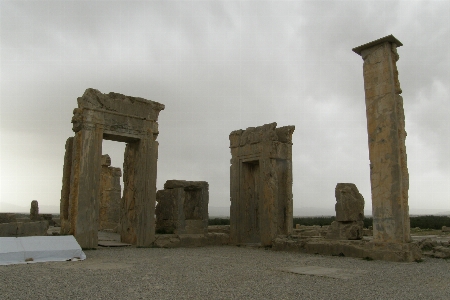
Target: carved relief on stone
77, 119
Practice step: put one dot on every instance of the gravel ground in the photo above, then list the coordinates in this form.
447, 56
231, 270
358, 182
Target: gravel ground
220, 273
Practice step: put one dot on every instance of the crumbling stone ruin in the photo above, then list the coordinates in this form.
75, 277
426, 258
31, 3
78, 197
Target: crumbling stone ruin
118, 118
349, 213
261, 184
182, 207
110, 195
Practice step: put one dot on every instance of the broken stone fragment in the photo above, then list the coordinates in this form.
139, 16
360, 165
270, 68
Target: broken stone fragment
349, 203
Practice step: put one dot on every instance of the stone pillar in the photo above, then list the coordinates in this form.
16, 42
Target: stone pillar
386, 135
65, 191
34, 211
110, 198
85, 178
139, 197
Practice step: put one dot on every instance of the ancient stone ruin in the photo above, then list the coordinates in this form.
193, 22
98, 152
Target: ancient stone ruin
182, 207
261, 184
386, 130
118, 118
349, 213
389, 176
110, 195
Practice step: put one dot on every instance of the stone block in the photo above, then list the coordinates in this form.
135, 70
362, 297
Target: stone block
32, 228
8, 229
182, 207
219, 229
352, 230
349, 203
445, 229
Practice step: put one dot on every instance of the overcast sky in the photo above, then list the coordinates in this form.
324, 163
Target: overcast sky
218, 67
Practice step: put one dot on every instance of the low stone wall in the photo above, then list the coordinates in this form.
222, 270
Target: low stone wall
17, 229
191, 240
7, 217
401, 252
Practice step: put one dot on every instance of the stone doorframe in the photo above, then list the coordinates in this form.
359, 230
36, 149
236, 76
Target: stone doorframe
261, 184
120, 118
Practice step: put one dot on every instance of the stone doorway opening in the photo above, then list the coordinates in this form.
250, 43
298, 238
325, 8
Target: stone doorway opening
250, 192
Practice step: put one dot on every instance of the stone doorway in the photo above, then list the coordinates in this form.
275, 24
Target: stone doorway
260, 184
119, 118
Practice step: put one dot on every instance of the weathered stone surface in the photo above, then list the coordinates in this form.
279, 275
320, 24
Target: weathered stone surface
17, 229
445, 229
219, 229
387, 151
119, 118
110, 195
399, 252
349, 203
190, 240
64, 209
169, 211
349, 214
7, 217
260, 184
352, 230
182, 207
440, 252
34, 210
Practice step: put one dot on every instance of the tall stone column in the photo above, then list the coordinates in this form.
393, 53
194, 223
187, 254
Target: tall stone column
65, 191
110, 195
85, 178
139, 197
386, 133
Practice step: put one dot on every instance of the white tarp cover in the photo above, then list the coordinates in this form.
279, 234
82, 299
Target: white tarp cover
31, 249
